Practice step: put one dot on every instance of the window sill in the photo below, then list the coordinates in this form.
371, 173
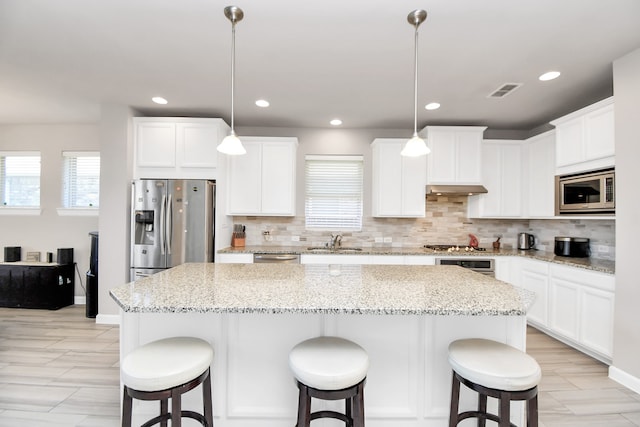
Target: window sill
18, 211
78, 211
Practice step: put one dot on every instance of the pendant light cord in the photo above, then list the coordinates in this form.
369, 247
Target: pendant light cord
415, 85
233, 73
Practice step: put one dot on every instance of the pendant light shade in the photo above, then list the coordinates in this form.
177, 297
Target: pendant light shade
415, 146
231, 144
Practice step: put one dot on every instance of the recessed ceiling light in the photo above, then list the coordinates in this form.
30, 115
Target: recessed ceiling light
262, 103
550, 75
432, 106
159, 100
335, 122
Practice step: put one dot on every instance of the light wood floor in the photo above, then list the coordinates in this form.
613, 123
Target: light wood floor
60, 369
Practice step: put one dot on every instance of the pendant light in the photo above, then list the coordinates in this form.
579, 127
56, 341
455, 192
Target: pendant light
415, 146
231, 144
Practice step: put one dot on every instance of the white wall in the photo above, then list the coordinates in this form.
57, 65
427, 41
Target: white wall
115, 204
626, 346
48, 231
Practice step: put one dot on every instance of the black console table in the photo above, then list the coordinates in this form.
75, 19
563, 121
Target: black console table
36, 285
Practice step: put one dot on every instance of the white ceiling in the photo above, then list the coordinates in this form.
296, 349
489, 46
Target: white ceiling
313, 60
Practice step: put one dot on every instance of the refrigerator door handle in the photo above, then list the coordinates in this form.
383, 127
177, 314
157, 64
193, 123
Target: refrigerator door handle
163, 215
169, 223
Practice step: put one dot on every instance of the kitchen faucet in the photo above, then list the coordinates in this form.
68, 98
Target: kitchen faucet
336, 240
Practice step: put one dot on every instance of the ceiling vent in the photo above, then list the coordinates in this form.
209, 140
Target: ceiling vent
504, 90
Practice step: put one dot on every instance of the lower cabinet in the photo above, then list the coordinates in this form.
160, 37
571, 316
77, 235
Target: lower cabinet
534, 277
581, 308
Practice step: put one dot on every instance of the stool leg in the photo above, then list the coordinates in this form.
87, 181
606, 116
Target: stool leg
358, 407
304, 406
206, 398
348, 405
532, 412
455, 397
482, 408
126, 408
164, 409
505, 409
176, 409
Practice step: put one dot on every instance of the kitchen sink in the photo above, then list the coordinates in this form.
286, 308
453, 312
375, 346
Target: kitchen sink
336, 250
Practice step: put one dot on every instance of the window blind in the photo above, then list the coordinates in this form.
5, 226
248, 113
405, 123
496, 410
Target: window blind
81, 179
333, 187
20, 179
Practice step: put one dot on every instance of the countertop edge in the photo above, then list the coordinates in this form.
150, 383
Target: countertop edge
592, 264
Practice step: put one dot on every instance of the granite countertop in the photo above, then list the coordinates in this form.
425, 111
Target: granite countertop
595, 264
331, 289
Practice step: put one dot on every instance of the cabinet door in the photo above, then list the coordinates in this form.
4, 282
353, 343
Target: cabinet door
245, 172
278, 179
442, 160
491, 203
541, 173
534, 277
599, 133
564, 305
468, 157
511, 168
414, 180
155, 144
196, 145
570, 147
596, 320
387, 179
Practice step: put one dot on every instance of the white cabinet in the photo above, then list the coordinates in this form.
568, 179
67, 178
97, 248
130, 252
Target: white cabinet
581, 307
398, 188
455, 156
335, 259
540, 176
585, 139
534, 277
502, 175
176, 147
234, 258
263, 181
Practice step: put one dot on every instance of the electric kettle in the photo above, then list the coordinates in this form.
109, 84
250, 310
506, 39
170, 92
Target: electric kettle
526, 241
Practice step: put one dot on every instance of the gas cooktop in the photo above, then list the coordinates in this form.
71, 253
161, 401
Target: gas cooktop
453, 248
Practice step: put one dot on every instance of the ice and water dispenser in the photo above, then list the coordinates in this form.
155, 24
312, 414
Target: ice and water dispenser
144, 228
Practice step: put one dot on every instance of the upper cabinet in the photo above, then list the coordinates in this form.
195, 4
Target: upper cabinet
263, 181
176, 147
585, 139
540, 152
455, 154
502, 175
398, 188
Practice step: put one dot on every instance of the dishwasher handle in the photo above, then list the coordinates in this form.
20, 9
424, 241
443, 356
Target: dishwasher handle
276, 258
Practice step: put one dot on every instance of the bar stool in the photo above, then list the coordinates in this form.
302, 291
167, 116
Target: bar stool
330, 368
496, 370
166, 369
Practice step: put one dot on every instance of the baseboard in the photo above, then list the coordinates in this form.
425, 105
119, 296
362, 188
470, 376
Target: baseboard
108, 319
80, 300
627, 380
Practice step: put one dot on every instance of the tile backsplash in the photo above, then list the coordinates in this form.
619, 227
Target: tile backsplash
445, 222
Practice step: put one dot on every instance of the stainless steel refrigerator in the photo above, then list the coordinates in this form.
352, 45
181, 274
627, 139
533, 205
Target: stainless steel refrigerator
172, 222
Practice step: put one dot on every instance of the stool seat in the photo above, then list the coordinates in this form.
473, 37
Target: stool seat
494, 365
166, 363
329, 363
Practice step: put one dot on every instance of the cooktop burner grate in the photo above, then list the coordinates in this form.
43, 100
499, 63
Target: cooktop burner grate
453, 248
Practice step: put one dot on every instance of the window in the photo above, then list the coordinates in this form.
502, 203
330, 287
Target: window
20, 179
81, 179
333, 187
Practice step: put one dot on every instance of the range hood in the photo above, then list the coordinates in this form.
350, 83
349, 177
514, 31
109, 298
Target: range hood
455, 190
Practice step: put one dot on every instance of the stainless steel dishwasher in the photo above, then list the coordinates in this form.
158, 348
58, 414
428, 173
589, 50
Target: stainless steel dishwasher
276, 258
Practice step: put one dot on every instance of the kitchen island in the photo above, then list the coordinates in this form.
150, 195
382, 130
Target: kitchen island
253, 314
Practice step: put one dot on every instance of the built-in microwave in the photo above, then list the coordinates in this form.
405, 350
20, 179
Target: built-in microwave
586, 193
